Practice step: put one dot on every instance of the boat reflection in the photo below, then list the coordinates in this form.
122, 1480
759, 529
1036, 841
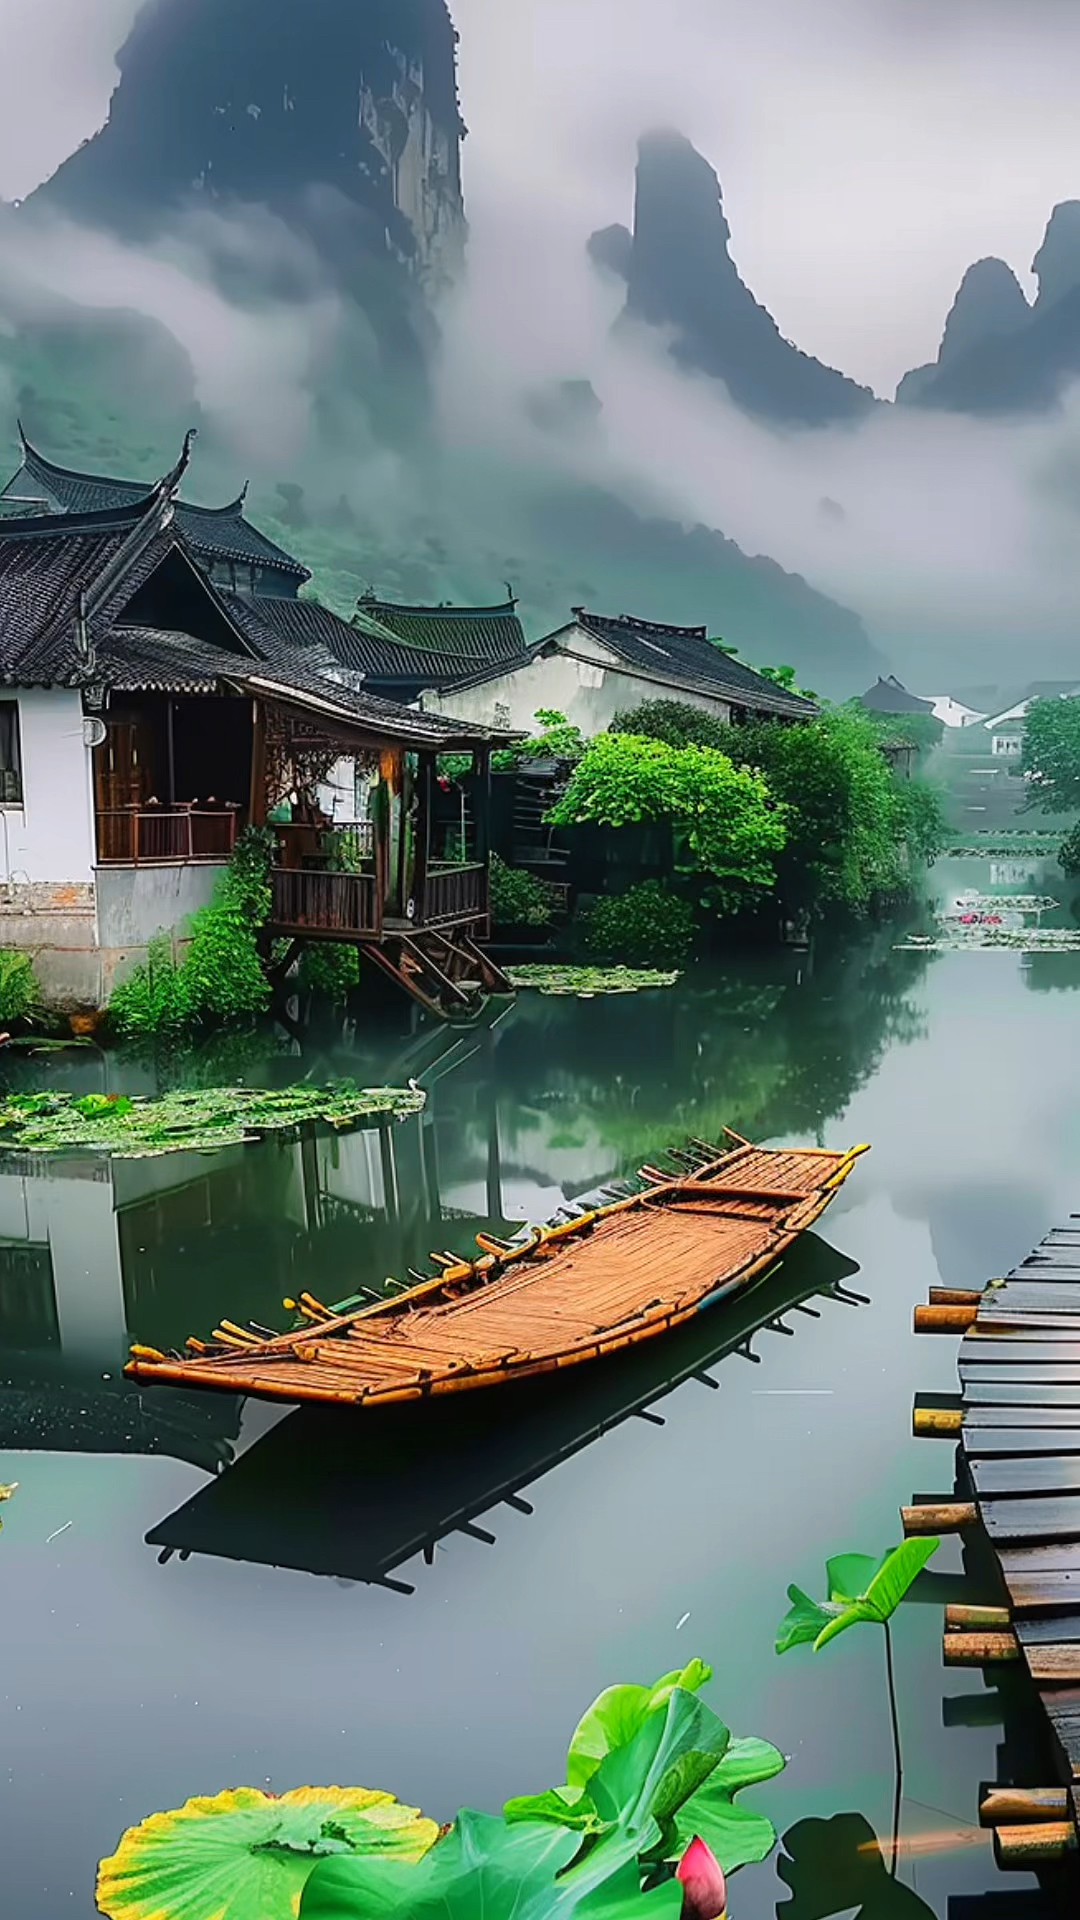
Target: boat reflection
358, 1495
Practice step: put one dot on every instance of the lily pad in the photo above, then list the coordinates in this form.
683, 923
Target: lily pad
193, 1121
246, 1855
587, 981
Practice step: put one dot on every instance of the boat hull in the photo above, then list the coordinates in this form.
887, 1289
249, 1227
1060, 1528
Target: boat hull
597, 1285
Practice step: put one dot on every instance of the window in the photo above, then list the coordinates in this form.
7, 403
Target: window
11, 791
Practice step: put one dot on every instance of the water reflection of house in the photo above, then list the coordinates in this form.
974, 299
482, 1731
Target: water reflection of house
152, 714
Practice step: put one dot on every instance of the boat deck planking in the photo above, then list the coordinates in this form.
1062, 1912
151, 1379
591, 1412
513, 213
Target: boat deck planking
568, 1294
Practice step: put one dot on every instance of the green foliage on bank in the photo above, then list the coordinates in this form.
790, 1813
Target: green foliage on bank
647, 926
220, 979
851, 830
330, 968
20, 998
557, 739
518, 899
728, 830
1051, 756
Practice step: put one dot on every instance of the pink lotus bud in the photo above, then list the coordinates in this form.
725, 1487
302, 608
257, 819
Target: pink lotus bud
702, 1879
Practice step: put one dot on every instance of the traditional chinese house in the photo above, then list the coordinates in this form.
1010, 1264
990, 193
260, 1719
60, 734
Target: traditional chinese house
148, 717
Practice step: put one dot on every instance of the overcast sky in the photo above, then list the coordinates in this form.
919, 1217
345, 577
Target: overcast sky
869, 149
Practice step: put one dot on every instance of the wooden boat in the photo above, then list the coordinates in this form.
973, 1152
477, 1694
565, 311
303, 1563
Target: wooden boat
565, 1294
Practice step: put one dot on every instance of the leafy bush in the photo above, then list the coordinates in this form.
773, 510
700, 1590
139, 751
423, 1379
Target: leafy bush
558, 739
518, 899
848, 820
19, 995
1069, 850
674, 722
1051, 756
923, 731
330, 967
220, 979
647, 926
727, 827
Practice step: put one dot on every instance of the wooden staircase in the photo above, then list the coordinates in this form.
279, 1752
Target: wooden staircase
443, 970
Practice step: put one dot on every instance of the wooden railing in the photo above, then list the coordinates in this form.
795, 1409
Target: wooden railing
324, 902
343, 849
453, 893
142, 836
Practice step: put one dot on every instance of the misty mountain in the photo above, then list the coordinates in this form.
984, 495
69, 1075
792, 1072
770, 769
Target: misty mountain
278, 151
998, 354
342, 120
680, 275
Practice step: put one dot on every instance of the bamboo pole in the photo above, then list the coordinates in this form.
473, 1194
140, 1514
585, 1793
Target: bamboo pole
954, 1297
979, 1649
1010, 1806
945, 1319
937, 1423
959, 1616
950, 1517
1028, 1845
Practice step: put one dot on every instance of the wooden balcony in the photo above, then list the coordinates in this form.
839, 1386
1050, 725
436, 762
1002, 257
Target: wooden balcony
306, 900
453, 896
165, 836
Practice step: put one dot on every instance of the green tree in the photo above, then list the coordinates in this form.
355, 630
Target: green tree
675, 722
1051, 757
852, 829
923, 731
727, 826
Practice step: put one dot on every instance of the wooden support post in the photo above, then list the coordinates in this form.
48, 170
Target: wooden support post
979, 1649
1009, 1806
954, 1297
958, 1617
950, 1517
937, 1423
945, 1319
257, 791
1028, 1846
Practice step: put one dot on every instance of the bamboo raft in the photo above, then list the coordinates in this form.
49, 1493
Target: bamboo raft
570, 1293
1017, 1419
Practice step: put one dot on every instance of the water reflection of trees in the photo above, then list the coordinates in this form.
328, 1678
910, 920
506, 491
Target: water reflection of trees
770, 1050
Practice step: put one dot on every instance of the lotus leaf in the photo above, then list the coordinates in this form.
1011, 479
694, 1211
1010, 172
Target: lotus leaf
860, 1588
491, 1869
245, 1855
657, 1765
738, 1836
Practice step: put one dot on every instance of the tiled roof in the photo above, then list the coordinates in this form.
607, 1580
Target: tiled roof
888, 696
47, 562
214, 533
431, 646
687, 658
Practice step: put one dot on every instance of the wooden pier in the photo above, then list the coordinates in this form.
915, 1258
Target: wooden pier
1017, 1421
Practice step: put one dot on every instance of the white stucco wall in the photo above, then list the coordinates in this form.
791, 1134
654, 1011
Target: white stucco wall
587, 683
51, 836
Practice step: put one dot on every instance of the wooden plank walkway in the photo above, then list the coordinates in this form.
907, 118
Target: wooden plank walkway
1017, 1418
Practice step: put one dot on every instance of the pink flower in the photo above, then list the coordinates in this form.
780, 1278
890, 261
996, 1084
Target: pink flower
702, 1880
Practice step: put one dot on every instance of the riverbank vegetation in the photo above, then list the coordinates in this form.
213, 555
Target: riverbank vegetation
220, 978
645, 1827
812, 820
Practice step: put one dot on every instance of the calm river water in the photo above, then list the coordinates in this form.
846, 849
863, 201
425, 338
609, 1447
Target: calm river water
259, 1651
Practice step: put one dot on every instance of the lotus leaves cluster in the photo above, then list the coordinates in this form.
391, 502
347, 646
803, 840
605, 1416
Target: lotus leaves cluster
644, 1828
194, 1120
